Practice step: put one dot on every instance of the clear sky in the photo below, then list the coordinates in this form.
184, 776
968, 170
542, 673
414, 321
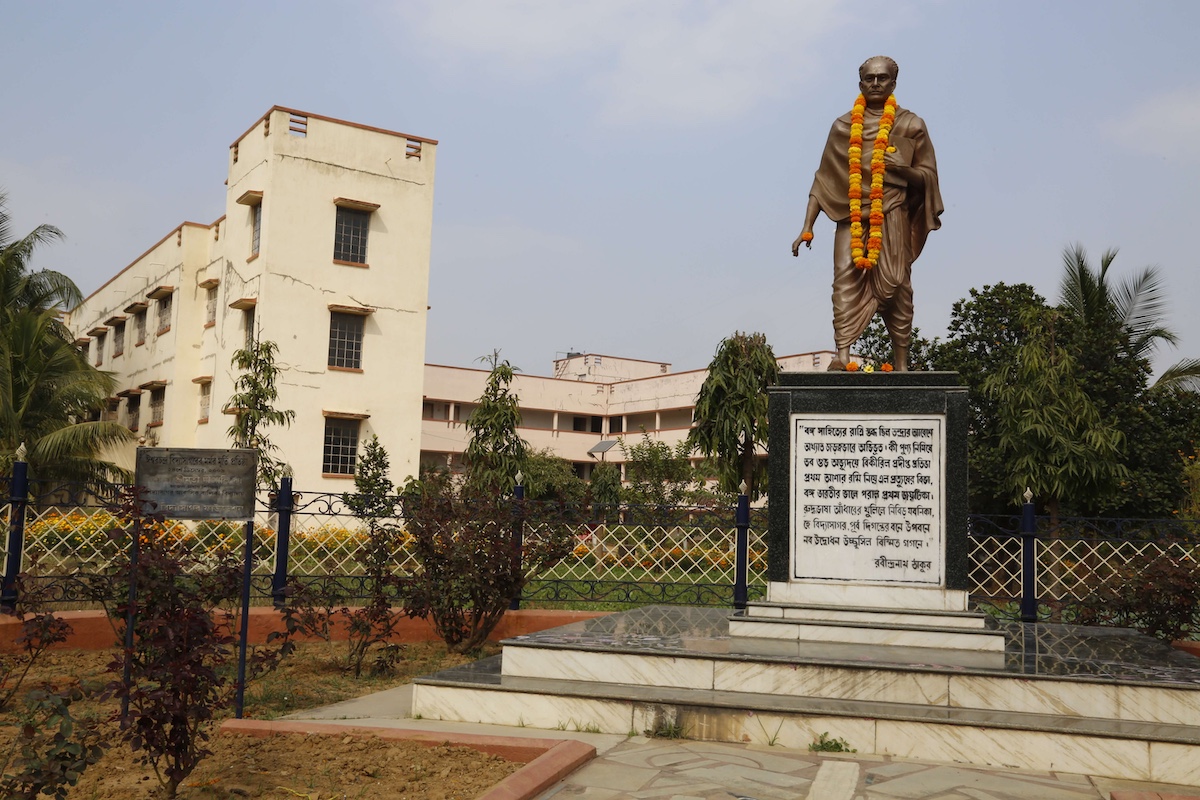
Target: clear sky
626, 177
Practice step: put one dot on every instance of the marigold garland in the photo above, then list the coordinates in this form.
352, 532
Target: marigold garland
869, 258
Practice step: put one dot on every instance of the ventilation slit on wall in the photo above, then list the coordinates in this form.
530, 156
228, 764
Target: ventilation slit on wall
413, 149
298, 125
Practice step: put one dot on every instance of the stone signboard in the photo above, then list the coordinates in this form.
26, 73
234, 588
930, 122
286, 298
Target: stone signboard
868, 498
199, 483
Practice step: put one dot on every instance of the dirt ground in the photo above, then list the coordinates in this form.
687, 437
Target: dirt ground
311, 767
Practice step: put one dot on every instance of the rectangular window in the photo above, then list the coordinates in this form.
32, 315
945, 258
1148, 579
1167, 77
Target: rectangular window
99, 349
256, 234
350, 235
248, 325
205, 401
616, 424
118, 339
345, 340
210, 307
133, 409
158, 402
341, 446
164, 314
139, 328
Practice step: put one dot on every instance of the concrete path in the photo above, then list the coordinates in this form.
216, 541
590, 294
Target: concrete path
681, 769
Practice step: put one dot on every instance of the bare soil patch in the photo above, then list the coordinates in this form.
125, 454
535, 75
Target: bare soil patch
311, 767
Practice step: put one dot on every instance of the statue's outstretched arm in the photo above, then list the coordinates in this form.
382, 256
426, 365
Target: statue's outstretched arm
810, 217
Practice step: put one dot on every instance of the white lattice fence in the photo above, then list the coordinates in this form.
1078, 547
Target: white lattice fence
995, 566
1071, 569
678, 553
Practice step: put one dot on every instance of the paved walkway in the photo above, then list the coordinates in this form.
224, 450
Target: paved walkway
681, 769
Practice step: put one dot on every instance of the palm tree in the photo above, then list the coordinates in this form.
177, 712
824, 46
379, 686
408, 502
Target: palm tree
1136, 305
48, 391
20, 288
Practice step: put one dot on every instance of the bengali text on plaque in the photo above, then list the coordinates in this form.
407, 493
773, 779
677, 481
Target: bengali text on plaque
867, 498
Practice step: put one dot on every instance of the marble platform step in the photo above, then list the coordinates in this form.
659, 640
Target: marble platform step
967, 620
1120, 748
823, 673
912, 633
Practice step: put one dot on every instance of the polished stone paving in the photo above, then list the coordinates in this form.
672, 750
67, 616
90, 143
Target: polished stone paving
1032, 650
690, 770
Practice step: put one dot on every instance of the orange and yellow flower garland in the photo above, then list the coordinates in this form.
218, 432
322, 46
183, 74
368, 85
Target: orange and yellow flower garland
868, 259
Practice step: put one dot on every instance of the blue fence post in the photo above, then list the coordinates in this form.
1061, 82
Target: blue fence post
284, 504
1029, 599
18, 499
518, 539
131, 611
742, 556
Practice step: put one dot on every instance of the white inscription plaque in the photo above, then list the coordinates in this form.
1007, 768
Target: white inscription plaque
867, 498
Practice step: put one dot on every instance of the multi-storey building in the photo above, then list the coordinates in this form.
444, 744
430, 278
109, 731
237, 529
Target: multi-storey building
591, 401
324, 250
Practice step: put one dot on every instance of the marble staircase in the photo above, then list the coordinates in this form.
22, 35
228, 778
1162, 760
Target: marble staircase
1060, 698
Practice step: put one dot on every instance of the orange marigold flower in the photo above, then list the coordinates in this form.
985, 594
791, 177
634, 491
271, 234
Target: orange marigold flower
806, 236
852, 366
886, 367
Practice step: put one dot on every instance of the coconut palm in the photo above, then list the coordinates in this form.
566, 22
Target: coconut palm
20, 288
1137, 305
48, 392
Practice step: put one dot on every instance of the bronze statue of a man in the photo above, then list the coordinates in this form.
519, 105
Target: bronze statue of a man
878, 181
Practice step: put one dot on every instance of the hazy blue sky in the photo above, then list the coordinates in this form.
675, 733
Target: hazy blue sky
626, 176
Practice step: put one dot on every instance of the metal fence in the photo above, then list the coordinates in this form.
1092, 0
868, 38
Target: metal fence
67, 540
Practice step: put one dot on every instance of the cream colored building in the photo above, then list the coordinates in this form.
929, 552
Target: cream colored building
323, 249
591, 399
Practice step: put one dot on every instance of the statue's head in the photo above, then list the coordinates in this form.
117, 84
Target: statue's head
877, 78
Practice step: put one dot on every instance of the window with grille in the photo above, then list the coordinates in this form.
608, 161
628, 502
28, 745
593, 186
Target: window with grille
345, 340
205, 400
158, 402
139, 327
256, 234
99, 349
133, 409
210, 307
341, 446
118, 339
350, 235
248, 323
164, 314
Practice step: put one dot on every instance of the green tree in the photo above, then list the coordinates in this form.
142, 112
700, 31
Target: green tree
731, 411
1049, 431
374, 501
495, 453
549, 477
1135, 306
22, 289
985, 334
1114, 329
253, 407
48, 394
50, 397
658, 474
